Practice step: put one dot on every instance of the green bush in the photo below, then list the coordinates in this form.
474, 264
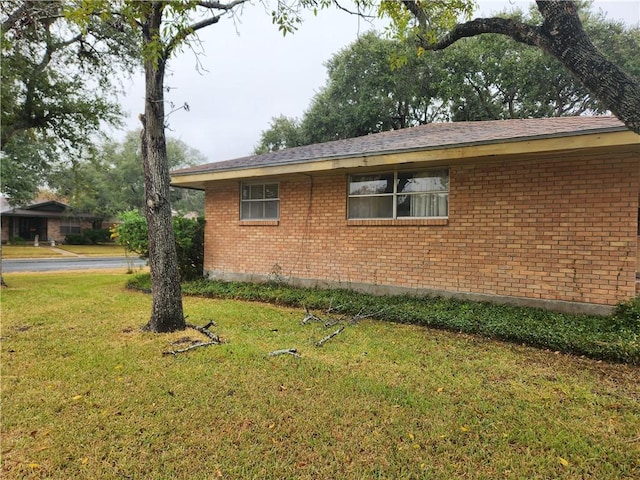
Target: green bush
76, 239
132, 233
17, 241
189, 246
88, 237
189, 233
627, 314
97, 236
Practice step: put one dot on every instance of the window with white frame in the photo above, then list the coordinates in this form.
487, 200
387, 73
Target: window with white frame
259, 201
416, 194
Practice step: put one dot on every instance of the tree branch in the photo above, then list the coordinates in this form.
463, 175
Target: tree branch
205, 331
190, 29
285, 351
221, 6
417, 12
324, 340
14, 16
213, 339
351, 12
562, 36
521, 32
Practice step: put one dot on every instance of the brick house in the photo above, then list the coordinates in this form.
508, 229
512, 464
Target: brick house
541, 212
46, 219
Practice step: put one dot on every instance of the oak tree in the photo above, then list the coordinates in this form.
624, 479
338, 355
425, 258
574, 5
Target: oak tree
559, 33
377, 84
164, 28
49, 109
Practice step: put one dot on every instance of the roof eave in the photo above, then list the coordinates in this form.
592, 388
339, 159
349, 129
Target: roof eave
610, 137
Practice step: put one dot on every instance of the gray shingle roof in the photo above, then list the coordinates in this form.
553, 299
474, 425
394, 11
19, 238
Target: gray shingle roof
424, 137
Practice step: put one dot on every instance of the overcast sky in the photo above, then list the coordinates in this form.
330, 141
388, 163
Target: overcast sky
253, 74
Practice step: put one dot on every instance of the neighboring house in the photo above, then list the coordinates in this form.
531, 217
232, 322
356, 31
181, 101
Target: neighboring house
542, 212
46, 219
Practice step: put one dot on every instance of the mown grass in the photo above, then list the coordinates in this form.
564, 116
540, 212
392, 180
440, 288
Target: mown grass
95, 250
613, 338
29, 251
45, 251
87, 394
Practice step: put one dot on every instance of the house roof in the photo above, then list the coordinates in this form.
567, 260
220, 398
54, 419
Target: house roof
38, 208
455, 138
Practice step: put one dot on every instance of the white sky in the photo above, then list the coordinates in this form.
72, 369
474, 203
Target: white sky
253, 74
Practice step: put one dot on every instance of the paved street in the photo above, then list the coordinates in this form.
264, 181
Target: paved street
70, 263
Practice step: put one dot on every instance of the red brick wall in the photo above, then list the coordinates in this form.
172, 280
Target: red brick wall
561, 228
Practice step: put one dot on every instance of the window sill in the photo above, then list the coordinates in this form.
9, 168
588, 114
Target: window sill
259, 223
398, 222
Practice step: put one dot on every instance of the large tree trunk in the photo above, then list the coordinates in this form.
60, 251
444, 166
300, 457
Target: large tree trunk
562, 36
166, 311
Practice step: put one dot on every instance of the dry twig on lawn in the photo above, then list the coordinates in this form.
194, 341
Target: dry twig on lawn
214, 339
289, 351
324, 340
343, 321
205, 331
309, 317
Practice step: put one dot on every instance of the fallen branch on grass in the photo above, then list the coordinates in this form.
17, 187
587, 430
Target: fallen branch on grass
322, 341
309, 317
286, 351
214, 339
343, 321
205, 331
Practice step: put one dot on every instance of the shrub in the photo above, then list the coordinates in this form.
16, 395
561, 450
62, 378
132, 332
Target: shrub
189, 233
98, 235
189, 246
76, 239
627, 314
132, 233
17, 241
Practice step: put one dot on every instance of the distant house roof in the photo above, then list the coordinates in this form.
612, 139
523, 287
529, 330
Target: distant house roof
38, 208
423, 138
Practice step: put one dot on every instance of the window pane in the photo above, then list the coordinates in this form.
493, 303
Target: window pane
271, 191
257, 210
371, 207
371, 184
271, 209
245, 212
423, 205
423, 181
252, 211
259, 202
257, 192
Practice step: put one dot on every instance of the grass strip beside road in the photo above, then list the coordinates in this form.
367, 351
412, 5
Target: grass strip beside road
46, 251
87, 394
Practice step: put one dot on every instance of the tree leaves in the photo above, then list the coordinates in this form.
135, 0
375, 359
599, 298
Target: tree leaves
378, 84
57, 87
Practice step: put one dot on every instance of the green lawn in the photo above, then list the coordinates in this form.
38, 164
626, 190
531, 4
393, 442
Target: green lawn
45, 251
87, 394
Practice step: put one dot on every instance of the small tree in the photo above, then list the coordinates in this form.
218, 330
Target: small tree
132, 233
